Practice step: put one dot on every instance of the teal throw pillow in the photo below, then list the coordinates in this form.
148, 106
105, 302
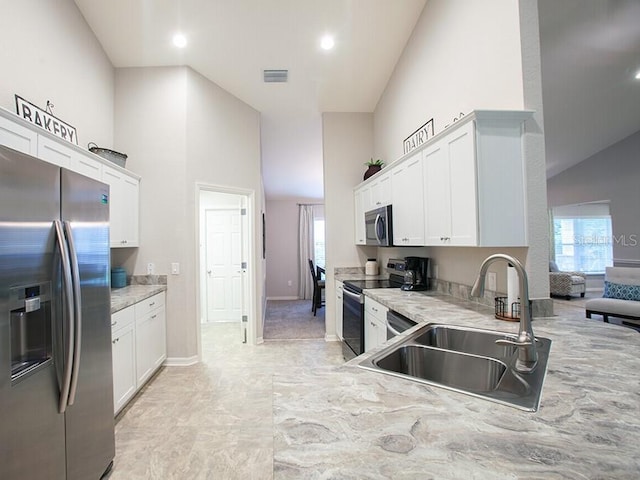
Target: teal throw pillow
621, 291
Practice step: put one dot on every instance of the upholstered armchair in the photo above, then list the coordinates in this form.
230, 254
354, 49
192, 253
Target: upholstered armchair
566, 284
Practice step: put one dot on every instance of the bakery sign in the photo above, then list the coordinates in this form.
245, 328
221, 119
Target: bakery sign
45, 120
417, 138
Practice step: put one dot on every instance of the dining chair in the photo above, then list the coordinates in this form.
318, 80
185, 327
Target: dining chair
318, 286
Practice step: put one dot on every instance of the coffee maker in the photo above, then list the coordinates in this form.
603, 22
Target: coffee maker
416, 271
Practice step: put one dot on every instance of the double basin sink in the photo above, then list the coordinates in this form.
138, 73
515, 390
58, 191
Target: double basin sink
465, 360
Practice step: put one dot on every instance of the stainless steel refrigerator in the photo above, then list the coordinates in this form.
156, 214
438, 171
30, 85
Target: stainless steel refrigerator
56, 391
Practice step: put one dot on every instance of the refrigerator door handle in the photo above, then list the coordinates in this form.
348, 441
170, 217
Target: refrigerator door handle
69, 318
77, 304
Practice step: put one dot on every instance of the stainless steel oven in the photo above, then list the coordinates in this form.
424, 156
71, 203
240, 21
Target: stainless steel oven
353, 305
352, 321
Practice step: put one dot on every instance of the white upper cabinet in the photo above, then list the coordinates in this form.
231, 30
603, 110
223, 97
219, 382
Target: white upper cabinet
450, 190
18, 137
407, 202
464, 187
124, 186
379, 190
123, 206
359, 209
54, 152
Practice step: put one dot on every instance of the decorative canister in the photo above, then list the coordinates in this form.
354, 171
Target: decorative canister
371, 267
118, 277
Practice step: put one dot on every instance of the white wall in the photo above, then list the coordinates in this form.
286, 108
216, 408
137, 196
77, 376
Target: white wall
464, 56
461, 56
347, 142
612, 174
49, 53
179, 129
283, 219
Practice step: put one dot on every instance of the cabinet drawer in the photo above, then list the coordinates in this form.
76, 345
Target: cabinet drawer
147, 305
122, 318
371, 307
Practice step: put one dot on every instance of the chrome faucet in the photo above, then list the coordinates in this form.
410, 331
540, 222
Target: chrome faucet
526, 342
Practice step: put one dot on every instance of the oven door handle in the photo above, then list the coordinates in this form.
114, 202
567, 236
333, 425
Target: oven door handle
355, 296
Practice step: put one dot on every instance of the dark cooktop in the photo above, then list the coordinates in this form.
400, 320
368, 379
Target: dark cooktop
359, 285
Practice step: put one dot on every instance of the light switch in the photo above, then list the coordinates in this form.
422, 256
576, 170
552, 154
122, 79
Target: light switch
175, 268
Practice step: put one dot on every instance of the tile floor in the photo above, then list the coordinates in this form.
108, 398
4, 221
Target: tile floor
212, 420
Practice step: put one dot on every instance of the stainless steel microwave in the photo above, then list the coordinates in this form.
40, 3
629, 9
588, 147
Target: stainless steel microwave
379, 227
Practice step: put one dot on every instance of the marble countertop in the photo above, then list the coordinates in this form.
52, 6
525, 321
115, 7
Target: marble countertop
346, 422
126, 296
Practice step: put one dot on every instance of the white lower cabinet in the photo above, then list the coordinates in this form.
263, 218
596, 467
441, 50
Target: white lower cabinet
138, 346
123, 347
150, 336
375, 324
339, 288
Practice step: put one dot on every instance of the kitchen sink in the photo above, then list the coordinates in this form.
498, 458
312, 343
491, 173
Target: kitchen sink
468, 340
465, 360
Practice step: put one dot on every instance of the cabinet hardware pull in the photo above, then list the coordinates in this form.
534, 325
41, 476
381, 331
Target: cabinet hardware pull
153, 316
113, 324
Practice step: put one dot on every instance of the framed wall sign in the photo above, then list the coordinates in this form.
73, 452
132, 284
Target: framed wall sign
417, 138
45, 120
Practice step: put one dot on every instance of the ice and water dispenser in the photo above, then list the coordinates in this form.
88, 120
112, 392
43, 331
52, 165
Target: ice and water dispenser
30, 324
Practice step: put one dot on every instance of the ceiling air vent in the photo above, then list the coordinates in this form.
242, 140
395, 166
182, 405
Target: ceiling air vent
276, 76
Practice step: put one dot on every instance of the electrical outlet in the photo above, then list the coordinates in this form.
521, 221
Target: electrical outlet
151, 268
491, 281
175, 268
289, 283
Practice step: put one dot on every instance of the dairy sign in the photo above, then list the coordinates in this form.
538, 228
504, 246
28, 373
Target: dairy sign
417, 138
45, 120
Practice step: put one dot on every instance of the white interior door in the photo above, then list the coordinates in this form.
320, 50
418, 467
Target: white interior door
223, 251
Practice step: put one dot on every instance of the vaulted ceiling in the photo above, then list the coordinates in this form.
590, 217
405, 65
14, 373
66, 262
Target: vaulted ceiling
589, 55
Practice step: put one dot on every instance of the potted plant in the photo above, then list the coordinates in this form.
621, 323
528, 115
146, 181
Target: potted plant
374, 167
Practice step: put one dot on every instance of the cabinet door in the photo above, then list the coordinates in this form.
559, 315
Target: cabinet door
159, 338
358, 209
53, 152
437, 195
18, 137
124, 365
130, 217
144, 348
86, 165
375, 325
462, 181
380, 191
123, 207
408, 202
339, 287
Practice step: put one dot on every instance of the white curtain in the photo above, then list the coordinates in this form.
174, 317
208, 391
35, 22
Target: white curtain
305, 249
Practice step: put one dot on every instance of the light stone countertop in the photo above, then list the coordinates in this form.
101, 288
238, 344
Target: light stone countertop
349, 423
124, 297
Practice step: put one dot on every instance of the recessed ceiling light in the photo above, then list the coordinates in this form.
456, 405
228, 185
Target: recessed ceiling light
327, 42
179, 40
638, 75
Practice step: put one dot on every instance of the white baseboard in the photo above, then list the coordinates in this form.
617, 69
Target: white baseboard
180, 361
331, 338
284, 298
259, 340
